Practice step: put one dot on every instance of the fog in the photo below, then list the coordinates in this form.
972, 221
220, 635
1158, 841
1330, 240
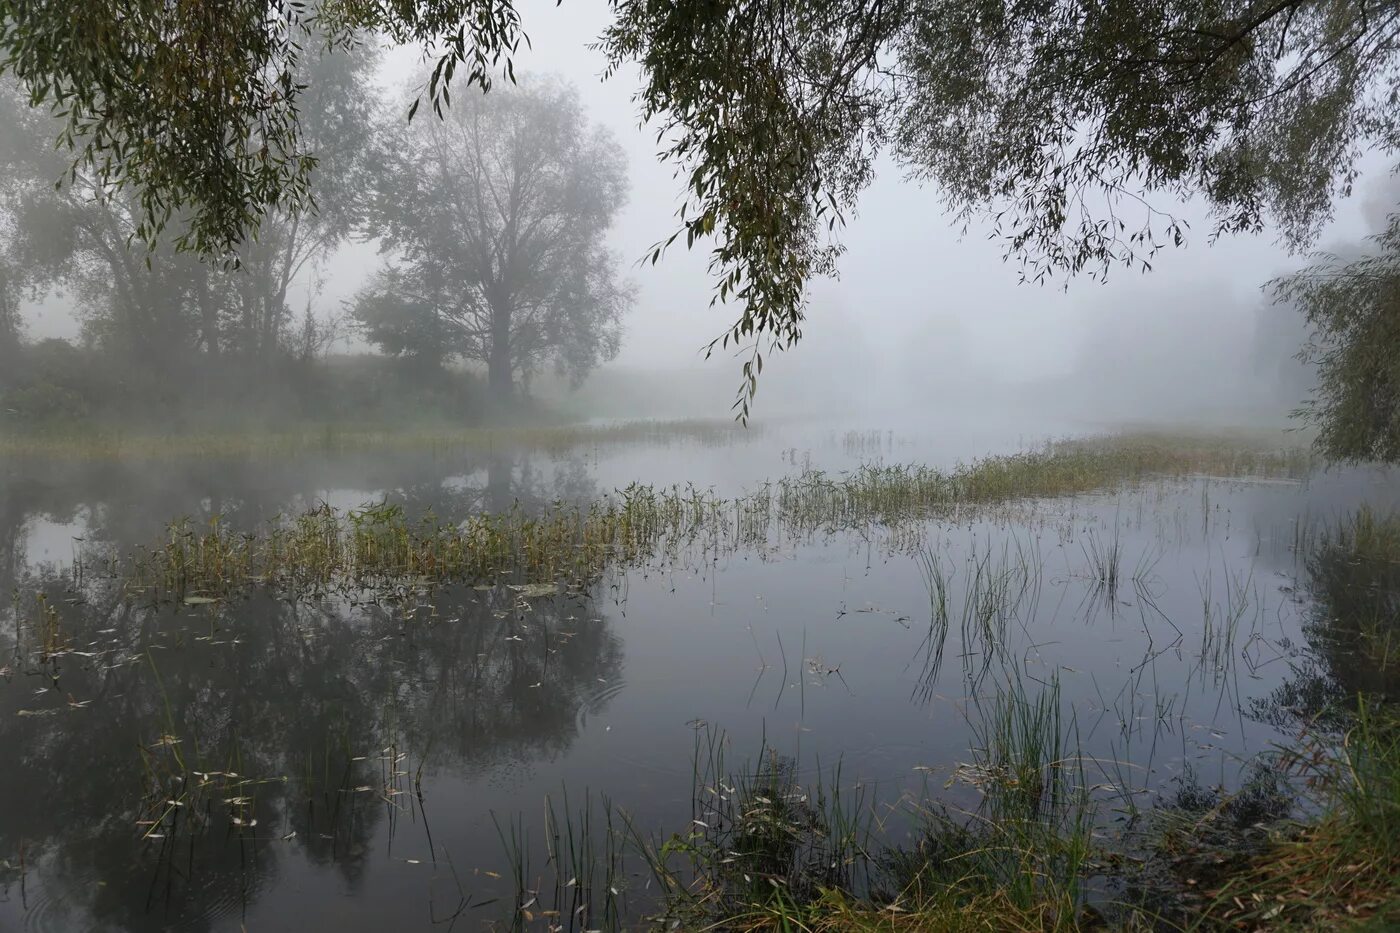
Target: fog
407, 567
925, 312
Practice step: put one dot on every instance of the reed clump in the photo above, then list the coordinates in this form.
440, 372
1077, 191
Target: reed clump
1340, 870
886, 494
768, 850
574, 544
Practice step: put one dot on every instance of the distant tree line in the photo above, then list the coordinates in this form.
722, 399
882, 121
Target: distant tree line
491, 225
1059, 121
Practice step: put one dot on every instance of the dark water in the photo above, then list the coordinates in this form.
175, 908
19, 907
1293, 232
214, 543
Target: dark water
361, 757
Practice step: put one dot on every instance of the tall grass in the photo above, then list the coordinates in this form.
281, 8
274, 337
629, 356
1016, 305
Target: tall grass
573, 544
1031, 838
1000, 587
765, 853
1343, 867
761, 839
768, 850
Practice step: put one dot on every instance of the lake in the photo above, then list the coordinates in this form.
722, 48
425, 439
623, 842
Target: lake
403, 756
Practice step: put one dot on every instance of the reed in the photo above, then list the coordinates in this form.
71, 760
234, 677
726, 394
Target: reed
1340, 869
573, 545
767, 849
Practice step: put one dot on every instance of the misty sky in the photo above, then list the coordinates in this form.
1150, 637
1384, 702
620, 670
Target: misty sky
911, 286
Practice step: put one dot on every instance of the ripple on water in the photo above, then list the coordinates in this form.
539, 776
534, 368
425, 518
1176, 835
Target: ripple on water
42, 910
592, 704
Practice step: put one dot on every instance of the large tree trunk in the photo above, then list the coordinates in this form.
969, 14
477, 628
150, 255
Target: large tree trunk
9, 325
499, 378
499, 493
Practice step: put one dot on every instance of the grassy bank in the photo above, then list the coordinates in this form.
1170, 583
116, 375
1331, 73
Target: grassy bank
572, 544
1337, 868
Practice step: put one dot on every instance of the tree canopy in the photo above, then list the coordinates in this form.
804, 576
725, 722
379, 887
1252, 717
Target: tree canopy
160, 307
495, 216
1061, 118
1353, 307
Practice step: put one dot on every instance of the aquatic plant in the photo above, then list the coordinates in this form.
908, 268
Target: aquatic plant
573, 544
765, 853
767, 849
1001, 586
759, 835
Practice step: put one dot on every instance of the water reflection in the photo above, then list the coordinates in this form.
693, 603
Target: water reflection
44, 508
170, 764
185, 766
1348, 584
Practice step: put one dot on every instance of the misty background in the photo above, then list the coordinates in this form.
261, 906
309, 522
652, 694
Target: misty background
925, 314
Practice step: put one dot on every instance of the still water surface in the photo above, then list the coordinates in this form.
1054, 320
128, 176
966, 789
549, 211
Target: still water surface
363, 753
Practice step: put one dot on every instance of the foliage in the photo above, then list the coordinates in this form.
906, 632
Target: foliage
161, 307
496, 215
197, 109
1353, 307
1060, 116
772, 117
189, 404
10, 322
43, 403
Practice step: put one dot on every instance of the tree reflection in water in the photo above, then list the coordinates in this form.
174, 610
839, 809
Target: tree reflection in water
1349, 586
167, 763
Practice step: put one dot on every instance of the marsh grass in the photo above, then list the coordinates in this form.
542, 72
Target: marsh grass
1105, 560
581, 883
1031, 838
771, 846
761, 839
891, 494
98, 444
766, 852
999, 587
767, 849
575, 544
1340, 869
1221, 622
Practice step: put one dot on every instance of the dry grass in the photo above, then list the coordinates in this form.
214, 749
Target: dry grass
1342, 869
